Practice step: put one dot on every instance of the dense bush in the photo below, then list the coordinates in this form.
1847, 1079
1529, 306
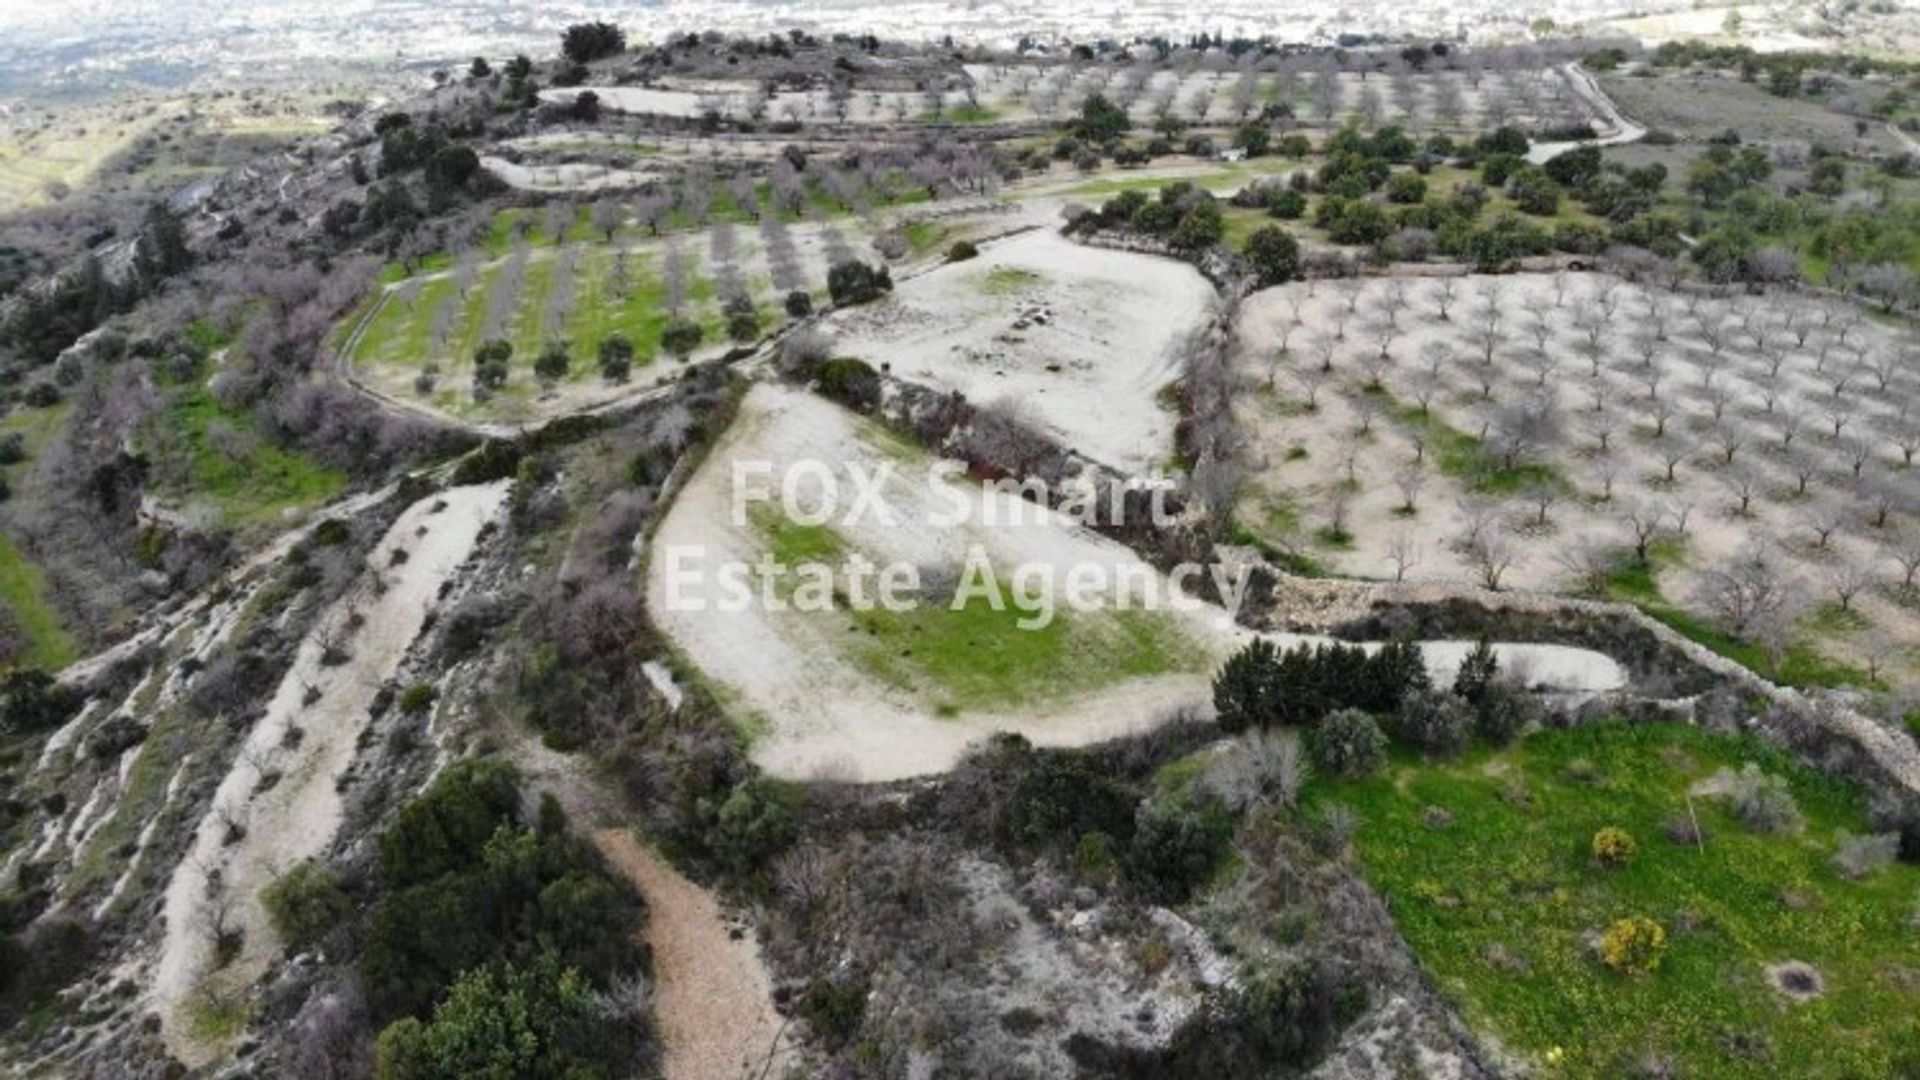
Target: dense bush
834, 1009
446, 828
962, 250
1261, 686
1278, 1015
1504, 712
1614, 846
751, 825
1633, 946
304, 903
854, 282
1434, 722
1762, 801
1348, 744
1175, 848
681, 336
416, 699
1274, 255
502, 1021
1476, 671
465, 884
850, 381
31, 701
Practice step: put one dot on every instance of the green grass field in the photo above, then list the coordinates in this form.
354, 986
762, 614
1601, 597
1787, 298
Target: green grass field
1498, 894
975, 656
46, 643
228, 463
48, 646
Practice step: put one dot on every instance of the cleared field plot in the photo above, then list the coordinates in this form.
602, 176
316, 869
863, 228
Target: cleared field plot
419, 338
1704, 105
832, 683
1081, 338
1740, 466
1466, 99
1783, 956
565, 176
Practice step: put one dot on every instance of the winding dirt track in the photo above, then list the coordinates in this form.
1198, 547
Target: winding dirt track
712, 1000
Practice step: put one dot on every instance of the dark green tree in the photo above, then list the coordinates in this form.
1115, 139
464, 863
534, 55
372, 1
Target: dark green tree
1477, 671
1274, 255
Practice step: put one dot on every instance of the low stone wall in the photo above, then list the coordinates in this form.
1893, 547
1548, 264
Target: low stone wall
1669, 670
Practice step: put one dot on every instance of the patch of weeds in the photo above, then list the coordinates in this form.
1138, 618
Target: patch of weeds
1007, 280
1499, 876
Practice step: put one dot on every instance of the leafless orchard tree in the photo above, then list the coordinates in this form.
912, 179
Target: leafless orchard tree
1750, 594
1409, 481
1492, 556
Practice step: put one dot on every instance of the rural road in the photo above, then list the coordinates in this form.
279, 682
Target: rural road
1624, 130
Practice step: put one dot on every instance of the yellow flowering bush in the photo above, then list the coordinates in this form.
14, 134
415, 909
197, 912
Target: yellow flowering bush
1614, 846
1633, 946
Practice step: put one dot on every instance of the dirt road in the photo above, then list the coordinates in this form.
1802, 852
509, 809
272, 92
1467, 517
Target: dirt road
711, 997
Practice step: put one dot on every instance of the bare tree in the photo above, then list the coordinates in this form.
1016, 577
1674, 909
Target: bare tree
1409, 482
1492, 556
1646, 523
1403, 551
1904, 552
1671, 451
1742, 484
1747, 593
1543, 494
1524, 429
1590, 562
1846, 579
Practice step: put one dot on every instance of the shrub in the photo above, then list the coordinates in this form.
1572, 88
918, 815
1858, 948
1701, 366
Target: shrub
1245, 693
1763, 802
1286, 204
1633, 946
962, 250
1274, 255
445, 829
1859, 856
835, 1010
854, 282
681, 337
1175, 848
1477, 670
552, 363
1348, 744
1434, 722
32, 701
616, 358
799, 304
490, 365
1258, 768
1504, 711
416, 699
850, 381
751, 826
304, 903
497, 1021
1614, 846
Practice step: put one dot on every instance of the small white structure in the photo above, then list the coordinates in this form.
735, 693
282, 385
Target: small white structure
1234, 153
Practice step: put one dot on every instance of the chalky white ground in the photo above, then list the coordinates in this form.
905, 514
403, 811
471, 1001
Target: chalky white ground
818, 714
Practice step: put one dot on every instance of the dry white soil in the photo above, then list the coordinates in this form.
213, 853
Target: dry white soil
1081, 337
302, 745
815, 712
1582, 356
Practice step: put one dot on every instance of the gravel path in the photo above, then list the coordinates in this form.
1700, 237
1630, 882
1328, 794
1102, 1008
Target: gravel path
712, 1000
